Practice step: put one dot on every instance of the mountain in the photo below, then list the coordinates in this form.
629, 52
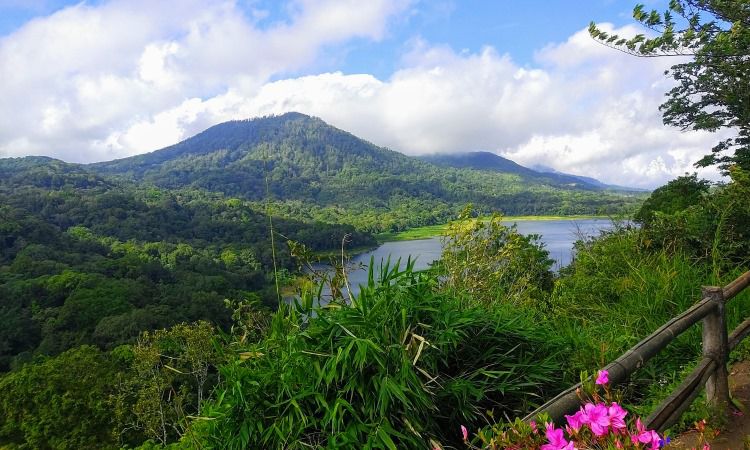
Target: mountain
313, 171
487, 161
94, 254
295, 151
592, 181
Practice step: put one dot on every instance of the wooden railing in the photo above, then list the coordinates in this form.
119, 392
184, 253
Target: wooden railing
711, 371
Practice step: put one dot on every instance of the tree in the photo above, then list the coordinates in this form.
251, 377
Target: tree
171, 370
675, 196
713, 88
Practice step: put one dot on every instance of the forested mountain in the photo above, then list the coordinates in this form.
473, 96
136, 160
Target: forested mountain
316, 171
491, 162
84, 260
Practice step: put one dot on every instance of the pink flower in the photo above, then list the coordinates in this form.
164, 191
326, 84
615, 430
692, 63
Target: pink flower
617, 416
464, 433
597, 417
575, 421
645, 436
556, 439
533, 426
603, 377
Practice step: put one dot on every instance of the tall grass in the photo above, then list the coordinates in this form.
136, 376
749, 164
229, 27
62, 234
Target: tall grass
403, 366
618, 291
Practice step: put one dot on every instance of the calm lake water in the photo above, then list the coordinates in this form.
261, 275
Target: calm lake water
558, 237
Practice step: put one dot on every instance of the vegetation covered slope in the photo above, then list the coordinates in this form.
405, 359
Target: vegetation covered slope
401, 366
316, 171
84, 260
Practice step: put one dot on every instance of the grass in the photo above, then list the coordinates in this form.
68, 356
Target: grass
413, 234
429, 231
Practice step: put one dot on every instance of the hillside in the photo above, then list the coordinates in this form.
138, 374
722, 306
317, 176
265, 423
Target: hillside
85, 260
491, 162
316, 171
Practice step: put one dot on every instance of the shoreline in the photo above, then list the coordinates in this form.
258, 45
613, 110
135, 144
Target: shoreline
430, 231
349, 252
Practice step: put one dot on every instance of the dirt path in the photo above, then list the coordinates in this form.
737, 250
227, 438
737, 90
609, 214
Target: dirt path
737, 434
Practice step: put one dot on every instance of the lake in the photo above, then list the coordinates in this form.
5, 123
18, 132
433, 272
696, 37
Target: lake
558, 237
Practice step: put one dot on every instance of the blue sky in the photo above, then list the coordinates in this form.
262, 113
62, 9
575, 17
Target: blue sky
97, 80
513, 26
519, 28
516, 27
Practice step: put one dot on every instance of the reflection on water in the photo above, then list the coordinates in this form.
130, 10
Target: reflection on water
558, 237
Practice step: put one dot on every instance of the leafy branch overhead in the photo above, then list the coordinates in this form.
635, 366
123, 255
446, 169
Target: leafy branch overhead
712, 91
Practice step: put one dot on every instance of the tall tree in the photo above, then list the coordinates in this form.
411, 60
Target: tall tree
713, 87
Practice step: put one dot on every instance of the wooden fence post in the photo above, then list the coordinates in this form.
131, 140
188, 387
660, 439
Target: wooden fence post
715, 346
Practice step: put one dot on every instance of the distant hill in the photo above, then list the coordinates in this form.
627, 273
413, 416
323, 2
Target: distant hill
46, 173
593, 181
317, 171
487, 161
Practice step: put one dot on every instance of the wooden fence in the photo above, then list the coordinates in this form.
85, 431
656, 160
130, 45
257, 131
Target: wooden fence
711, 370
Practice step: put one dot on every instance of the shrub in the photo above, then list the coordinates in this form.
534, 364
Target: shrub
487, 261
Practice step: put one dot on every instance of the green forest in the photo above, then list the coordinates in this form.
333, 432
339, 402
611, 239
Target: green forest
487, 333
91, 261
162, 301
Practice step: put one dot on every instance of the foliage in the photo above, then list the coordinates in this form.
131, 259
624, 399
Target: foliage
60, 403
170, 374
623, 285
488, 261
394, 369
711, 227
712, 88
250, 320
617, 291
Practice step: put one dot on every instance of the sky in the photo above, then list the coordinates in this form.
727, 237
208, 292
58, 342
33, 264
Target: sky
99, 80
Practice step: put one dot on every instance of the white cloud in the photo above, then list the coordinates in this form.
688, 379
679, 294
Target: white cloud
95, 83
